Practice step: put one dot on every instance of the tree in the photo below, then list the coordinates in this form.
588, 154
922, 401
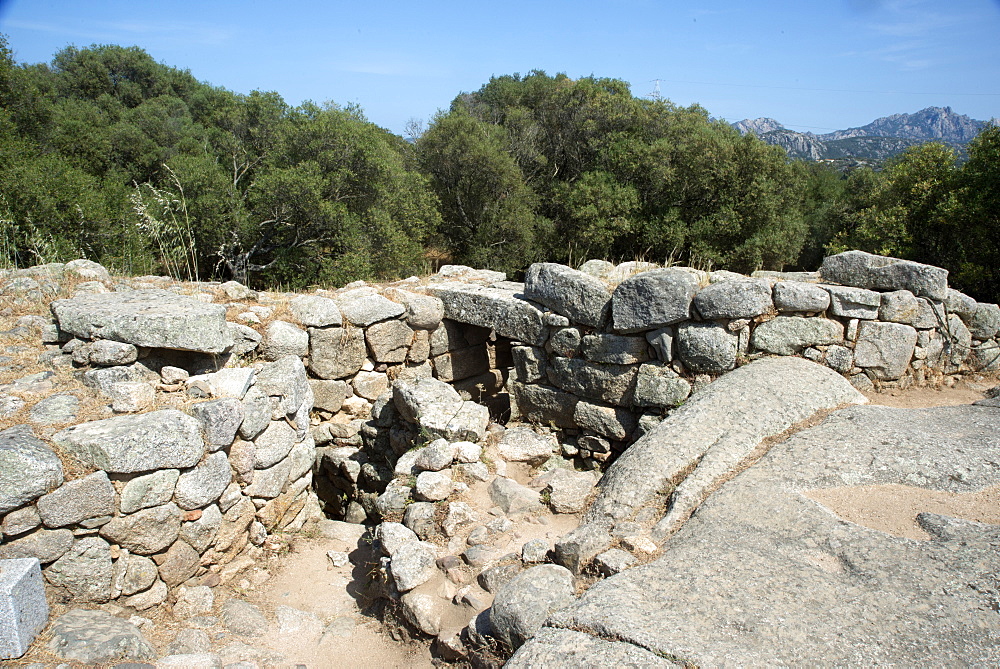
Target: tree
486, 206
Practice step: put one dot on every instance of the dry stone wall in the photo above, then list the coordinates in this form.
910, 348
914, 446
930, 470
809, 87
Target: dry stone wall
234, 414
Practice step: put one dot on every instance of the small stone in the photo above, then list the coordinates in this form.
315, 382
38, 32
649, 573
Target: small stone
460, 516
243, 618
575, 550
614, 561
423, 611
60, 408
536, 550
493, 578
435, 456
413, 564
195, 601
523, 444
513, 497
131, 396
434, 486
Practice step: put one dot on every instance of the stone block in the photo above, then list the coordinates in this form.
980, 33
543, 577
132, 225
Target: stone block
153, 318
131, 396
734, 298
128, 444
799, 296
885, 348
28, 468
315, 311
577, 295
788, 335
659, 386
614, 349
389, 341
652, 299
461, 364
23, 609
336, 353
866, 270
500, 309
706, 347
362, 307
281, 339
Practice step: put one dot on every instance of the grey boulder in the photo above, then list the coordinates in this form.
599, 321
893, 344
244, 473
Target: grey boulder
652, 299
707, 347
574, 294
735, 298
788, 335
524, 602
712, 433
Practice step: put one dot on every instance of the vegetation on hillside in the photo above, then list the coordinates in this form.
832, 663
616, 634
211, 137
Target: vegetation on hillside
106, 154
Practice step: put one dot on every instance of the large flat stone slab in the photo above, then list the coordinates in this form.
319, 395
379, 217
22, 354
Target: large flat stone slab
154, 318
866, 270
765, 575
167, 439
505, 311
711, 434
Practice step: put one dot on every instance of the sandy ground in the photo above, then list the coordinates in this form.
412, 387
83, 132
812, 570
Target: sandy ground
306, 580
893, 508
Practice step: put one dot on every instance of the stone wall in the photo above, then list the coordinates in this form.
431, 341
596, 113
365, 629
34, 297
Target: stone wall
234, 414
607, 350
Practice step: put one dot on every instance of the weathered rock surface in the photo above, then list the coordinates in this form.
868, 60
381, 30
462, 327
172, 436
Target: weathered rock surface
552, 647
524, 602
574, 294
716, 429
653, 299
887, 600
153, 318
866, 270
28, 468
94, 637
495, 308
127, 444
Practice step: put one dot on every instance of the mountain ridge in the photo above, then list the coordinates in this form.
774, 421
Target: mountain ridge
882, 138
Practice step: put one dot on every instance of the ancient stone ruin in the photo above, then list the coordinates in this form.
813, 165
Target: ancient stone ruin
219, 417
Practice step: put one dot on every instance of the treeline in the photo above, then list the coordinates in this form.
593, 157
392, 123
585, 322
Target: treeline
107, 154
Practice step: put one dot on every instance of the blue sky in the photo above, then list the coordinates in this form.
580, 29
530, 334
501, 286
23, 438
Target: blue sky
812, 64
